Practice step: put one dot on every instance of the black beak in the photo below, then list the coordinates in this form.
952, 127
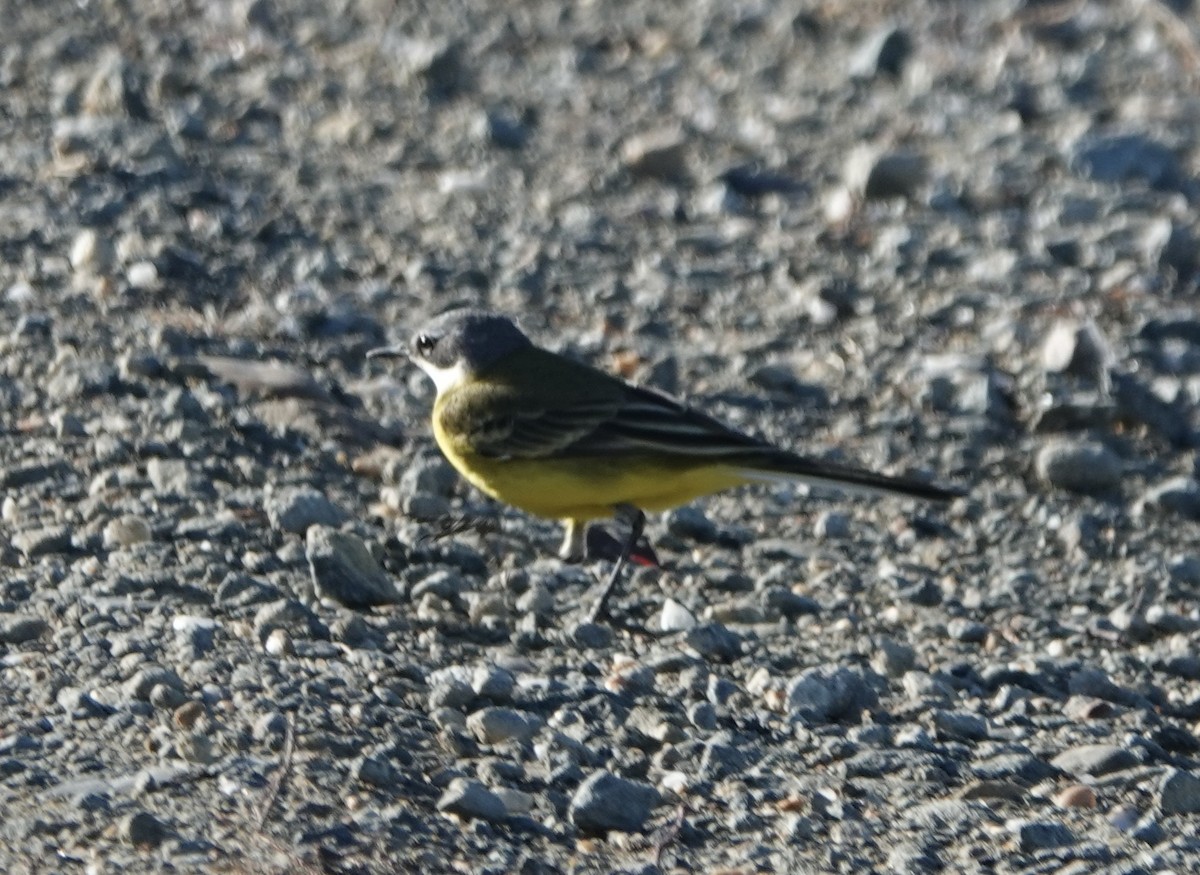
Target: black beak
400, 350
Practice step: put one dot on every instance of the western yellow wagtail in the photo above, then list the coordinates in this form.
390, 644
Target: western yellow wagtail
560, 439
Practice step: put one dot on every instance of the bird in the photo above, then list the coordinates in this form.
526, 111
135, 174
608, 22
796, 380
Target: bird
558, 438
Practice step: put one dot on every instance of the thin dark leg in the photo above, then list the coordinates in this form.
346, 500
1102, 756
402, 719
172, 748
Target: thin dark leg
637, 524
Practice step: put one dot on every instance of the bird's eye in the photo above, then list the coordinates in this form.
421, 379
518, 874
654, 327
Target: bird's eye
425, 344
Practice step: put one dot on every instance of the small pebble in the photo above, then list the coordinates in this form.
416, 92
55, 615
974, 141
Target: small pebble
126, 531
143, 830
142, 275
675, 617
969, 631
279, 643
1076, 796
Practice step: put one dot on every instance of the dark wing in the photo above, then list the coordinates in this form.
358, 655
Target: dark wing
535, 406
646, 421
607, 418
530, 432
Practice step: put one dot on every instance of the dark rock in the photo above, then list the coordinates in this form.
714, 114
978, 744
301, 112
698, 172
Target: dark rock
605, 802
1127, 157
344, 570
472, 800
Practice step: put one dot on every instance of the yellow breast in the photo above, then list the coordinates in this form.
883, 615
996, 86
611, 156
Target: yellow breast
587, 487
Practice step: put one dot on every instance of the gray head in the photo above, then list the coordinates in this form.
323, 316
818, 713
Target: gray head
459, 343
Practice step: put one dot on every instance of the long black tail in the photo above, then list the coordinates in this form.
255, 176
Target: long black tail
775, 464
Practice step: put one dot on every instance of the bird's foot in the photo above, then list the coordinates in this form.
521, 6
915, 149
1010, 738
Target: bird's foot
602, 544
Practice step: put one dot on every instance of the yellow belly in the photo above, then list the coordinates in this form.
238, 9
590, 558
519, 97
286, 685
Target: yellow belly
589, 488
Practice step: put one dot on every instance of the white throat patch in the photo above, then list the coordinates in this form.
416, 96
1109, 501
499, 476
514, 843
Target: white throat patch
444, 379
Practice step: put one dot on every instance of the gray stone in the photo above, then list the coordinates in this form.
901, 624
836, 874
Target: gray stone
691, 523
924, 592
832, 524
289, 615
176, 477
960, 726
592, 636
43, 541
143, 682
508, 131
429, 474
1094, 760
344, 570
1079, 349
674, 617
826, 695
657, 155
375, 771
1185, 569
15, 629
19, 476
498, 725
1088, 468
126, 531
166, 696
896, 175
885, 52
471, 799
714, 641
970, 631
1127, 156
606, 802
890, 763
1179, 793
296, 509
270, 727
1149, 831
494, 683
893, 658
450, 693
1033, 836
1139, 403
143, 830
425, 508
1179, 495
789, 604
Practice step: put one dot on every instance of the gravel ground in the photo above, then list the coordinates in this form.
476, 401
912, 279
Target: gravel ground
236, 631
